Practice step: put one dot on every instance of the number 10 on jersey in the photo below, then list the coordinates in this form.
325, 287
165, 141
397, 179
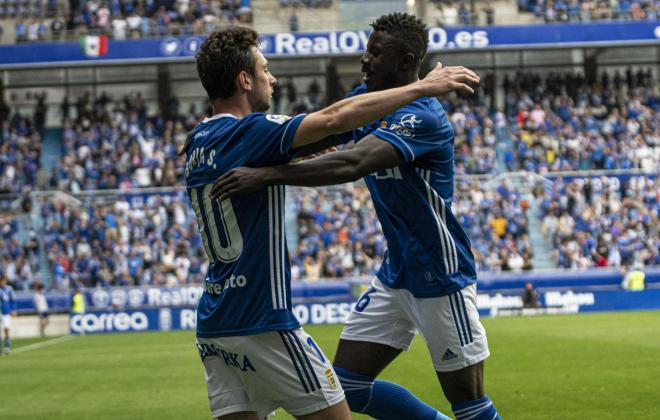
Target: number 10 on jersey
216, 217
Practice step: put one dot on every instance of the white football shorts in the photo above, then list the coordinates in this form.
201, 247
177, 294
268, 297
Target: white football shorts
265, 371
449, 324
6, 321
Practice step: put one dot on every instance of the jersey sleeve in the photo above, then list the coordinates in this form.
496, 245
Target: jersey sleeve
269, 137
415, 132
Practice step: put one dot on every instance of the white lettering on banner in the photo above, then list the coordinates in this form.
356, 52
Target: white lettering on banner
188, 319
120, 321
498, 301
184, 296
326, 313
332, 42
569, 298
438, 39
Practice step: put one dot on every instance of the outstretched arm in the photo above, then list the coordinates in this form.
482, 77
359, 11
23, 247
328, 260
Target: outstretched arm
369, 155
357, 111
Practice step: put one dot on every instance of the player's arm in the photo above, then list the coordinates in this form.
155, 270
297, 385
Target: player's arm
354, 112
369, 155
319, 146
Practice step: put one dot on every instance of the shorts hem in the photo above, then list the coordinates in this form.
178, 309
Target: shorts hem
465, 363
317, 407
233, 409
377, 340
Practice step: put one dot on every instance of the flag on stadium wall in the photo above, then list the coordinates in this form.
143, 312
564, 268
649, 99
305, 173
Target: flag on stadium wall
94, 45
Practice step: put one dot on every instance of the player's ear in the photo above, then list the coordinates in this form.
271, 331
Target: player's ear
244, 81
408, 61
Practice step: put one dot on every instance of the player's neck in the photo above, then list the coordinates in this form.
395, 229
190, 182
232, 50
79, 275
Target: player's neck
239, 106
402, 82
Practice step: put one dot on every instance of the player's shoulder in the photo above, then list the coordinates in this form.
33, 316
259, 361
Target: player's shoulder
267, 121
421, 113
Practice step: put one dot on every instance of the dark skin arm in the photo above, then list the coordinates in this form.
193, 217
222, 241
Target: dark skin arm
319, 146
369, 155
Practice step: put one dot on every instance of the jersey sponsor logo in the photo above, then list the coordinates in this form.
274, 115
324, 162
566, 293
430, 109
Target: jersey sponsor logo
390, 173
231, 359
406, 125
229, 283
278, 119
108, 322
409, 121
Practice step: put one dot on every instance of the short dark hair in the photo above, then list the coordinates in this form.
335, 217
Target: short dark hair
410, 33
222, 56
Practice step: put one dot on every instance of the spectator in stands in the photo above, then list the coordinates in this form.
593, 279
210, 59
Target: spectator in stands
21, 31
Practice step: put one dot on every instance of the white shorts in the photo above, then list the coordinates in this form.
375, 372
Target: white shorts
263, 372
6, 321
449, 324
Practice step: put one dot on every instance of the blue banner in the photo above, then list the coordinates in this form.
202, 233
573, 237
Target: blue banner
330, 291
338, 43
167, 319
488, 304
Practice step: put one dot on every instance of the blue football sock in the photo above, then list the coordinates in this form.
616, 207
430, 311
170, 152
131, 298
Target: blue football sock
384, 400
7, 342
481, 409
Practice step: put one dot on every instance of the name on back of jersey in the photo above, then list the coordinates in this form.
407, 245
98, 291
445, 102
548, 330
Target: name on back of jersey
198, 157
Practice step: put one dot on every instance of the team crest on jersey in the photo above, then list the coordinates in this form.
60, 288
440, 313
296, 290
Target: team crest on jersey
278, 119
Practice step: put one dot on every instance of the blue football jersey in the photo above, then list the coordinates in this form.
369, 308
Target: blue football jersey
428, 251
7, 300
247, 286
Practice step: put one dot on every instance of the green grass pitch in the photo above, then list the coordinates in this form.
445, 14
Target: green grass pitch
588, 366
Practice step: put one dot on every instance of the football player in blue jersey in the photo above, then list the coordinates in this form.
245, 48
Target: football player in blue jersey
255, 355
7, 310
427, 281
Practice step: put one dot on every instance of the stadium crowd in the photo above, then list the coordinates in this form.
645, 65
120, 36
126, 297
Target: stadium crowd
122, 19
603, 222
591, 10
111, 145
137, 240
561, 123
497, 224
20, 146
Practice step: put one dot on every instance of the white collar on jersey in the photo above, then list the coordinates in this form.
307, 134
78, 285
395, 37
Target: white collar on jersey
216, 116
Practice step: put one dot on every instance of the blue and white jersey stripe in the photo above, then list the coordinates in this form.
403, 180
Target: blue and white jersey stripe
276, 245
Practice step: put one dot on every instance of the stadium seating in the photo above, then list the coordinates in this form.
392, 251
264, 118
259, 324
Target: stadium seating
150, 241
590, 10
594, 224
561, 123
543, 127
20, 145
